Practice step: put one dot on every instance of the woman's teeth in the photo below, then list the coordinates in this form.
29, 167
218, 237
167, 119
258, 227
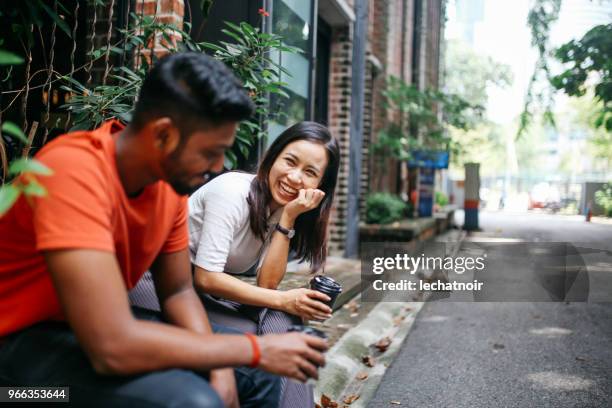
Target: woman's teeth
287, 190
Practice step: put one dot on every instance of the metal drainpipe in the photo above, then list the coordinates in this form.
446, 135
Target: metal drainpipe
356, 130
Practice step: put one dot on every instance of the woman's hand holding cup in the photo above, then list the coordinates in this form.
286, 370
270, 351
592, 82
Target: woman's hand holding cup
306, 303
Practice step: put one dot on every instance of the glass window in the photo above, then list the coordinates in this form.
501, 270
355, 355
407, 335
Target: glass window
292, 20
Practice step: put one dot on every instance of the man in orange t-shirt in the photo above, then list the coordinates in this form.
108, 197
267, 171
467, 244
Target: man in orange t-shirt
116, 206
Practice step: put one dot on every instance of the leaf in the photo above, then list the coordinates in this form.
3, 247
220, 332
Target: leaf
349, 399
327, 402
57, 19
34, 188
362, 376
8, 195
383, 344
395, 403
8, 58
368, 360
398, 320
29, 166
14, 130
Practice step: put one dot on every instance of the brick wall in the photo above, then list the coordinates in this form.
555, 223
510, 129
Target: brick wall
165, 11
107, 17
339, 124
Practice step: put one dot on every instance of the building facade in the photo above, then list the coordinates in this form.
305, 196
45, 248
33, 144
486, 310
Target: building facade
391, 37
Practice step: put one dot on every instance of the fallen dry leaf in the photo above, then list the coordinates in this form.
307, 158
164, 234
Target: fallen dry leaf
317, 405
349, 399
398, 320
383, 344
362, 375
353, 306
368, 360
327, 402
395, 402
354, 314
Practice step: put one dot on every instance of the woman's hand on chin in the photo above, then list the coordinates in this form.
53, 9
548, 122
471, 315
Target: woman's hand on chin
306, 200
306, 303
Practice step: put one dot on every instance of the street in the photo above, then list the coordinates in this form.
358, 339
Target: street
500, 354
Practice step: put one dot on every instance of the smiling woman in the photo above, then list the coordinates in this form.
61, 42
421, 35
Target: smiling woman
243, 224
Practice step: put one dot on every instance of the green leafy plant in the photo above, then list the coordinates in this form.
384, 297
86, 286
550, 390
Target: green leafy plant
589, 57
441, 199
603, 197
420, 109
22, 171
542, 15
247, 56
384, 208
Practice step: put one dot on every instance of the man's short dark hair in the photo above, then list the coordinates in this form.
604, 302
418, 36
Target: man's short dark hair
194, 90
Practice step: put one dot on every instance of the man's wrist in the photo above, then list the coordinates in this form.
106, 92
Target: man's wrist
256, 352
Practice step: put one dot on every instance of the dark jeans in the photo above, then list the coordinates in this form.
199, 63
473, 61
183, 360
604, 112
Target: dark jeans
48, 354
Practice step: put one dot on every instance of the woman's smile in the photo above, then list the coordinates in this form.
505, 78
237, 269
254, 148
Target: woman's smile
289, 192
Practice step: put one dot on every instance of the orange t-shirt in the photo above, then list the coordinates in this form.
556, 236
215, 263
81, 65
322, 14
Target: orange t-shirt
86, 207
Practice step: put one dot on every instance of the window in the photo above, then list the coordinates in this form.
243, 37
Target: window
293, 20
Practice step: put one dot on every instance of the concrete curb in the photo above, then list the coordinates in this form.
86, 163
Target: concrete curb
339, 377
343, 374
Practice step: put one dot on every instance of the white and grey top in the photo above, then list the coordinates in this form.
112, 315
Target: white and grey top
220, 235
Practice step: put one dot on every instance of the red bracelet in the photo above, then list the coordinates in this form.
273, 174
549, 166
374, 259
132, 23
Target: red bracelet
256, 352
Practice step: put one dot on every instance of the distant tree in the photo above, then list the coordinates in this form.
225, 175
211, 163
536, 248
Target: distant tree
589, 59
542, 15
469, 74
587, 110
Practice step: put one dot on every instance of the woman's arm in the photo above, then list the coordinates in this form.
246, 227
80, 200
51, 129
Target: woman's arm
301, 302
274, 265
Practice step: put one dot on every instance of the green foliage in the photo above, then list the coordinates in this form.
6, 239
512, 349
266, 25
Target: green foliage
603, 197
589, 57
540, 20
421, 109
469, 74
8, 58
247, 55
15, 131
384, 208
249, 58
441, 199
24, 171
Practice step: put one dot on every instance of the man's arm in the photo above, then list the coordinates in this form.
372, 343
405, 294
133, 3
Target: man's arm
182, 307
94, 300
177, 297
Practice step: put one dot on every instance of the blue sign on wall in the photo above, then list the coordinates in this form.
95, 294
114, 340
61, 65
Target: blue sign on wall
434, 159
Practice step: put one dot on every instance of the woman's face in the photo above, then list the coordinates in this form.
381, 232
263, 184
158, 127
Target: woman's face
301, 165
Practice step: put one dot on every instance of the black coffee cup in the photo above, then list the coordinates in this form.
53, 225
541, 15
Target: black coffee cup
328, 286
311, 331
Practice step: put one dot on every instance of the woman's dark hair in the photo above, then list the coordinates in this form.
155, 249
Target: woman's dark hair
310, 241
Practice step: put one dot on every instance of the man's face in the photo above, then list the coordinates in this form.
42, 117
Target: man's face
187, 168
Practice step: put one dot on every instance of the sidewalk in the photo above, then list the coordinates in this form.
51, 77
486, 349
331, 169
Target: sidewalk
365, 339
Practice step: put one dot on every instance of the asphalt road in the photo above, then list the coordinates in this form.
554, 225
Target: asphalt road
519, 354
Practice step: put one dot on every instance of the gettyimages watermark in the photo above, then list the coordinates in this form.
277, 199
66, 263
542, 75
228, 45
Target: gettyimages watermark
515, 271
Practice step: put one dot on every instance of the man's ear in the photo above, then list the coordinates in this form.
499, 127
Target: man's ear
166, 135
